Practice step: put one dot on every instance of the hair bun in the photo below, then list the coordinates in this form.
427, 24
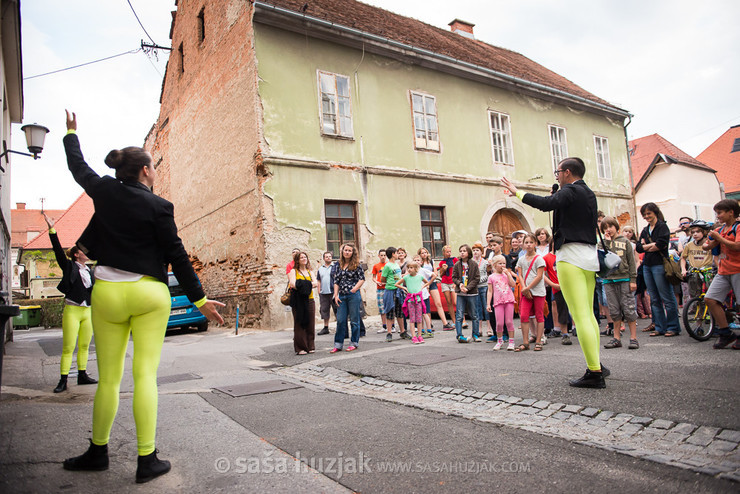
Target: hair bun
114, 158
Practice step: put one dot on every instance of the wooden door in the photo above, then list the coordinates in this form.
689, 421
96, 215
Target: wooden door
504, 223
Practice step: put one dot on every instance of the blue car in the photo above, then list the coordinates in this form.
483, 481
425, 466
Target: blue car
183, 313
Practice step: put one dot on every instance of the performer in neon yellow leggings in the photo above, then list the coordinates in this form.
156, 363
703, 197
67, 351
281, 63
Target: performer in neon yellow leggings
133, 237
574, 239
76, 285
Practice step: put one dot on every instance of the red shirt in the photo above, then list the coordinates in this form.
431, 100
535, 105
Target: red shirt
377, 274
551, 269
447, 276
289, 267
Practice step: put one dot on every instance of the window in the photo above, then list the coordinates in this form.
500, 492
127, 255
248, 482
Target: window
558, 145
426, 133
501, 138
336, 109
341, 225
181, 56
603, 166
433, 230
201, 25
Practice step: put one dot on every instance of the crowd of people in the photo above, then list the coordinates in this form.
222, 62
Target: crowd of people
549, 281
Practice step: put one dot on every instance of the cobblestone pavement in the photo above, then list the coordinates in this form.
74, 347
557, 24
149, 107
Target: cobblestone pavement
708, 450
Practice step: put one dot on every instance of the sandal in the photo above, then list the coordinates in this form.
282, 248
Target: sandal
670, 333
302, 352
655, 333
649, 328
538, 347
521, 348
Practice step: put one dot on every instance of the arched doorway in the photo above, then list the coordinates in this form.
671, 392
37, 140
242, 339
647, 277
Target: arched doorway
504, 222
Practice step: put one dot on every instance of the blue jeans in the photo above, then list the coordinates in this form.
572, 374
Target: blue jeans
472, 303
662, 299
349, 307
482, 294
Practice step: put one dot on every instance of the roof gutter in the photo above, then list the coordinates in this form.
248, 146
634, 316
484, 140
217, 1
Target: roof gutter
445, 58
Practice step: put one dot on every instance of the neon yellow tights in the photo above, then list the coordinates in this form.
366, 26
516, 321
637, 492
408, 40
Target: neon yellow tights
141, 309
578, 290
75, 321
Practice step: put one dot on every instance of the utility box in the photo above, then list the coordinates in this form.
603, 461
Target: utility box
29, 317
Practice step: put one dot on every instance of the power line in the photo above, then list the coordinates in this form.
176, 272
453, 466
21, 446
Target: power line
83, 64
139, 21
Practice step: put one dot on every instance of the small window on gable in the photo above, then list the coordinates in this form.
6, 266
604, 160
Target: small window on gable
202, 25
181, 57
336, 105
558, 145
603, 165
501, 138
426, 133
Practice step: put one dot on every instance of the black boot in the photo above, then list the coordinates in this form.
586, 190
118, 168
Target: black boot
94, 459
605, 372
62, 386
590, 380
150, 467
83, 378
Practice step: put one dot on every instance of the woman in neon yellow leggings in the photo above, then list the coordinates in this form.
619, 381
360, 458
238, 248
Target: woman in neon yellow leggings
574, 239
133, 237
76, 285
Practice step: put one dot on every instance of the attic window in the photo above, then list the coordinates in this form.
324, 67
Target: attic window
736, 146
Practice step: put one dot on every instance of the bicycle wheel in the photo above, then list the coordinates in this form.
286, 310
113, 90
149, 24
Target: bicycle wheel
696, 319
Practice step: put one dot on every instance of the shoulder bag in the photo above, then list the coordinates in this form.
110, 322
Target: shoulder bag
608, 260
672, 269
285, 297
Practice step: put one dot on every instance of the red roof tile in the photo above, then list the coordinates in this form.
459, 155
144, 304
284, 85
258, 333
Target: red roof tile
377, 21
25, 221
69, 225
644, 149
727, 164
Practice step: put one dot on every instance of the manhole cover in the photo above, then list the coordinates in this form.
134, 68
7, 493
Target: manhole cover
176, 378
424, 359
257, 388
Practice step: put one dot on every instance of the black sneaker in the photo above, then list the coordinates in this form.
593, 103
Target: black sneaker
150, 467
615, 343
389, 337
724, 340
324, 331
405, 335
605, 372
590, 379
83, 378
555, 334
95, 459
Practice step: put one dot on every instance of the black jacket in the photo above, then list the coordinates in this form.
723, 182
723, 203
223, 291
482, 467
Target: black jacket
132, 229
575, 216
71, 285
661, 236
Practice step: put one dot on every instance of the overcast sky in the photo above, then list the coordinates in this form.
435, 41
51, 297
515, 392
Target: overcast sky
674, 64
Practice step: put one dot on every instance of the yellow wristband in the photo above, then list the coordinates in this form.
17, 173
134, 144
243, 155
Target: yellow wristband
519, 194
200, 303
71, 131
52, 230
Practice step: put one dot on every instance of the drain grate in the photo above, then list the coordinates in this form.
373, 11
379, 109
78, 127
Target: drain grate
257, 388
176, 378
425, 359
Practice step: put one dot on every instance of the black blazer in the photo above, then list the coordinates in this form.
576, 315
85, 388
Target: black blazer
575, 216
132, 229
71, 285
661, 236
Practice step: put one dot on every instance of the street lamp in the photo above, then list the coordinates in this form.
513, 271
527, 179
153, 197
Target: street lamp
35, 136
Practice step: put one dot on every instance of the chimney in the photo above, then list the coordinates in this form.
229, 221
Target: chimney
462, 28
20, 205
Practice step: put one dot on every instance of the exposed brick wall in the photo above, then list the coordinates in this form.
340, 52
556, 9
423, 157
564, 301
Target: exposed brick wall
206, 144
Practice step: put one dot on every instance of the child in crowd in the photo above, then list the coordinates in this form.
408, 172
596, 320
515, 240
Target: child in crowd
501, 298
560, 315
543, 241
493, 247
325, 277
390, 274
484, 269
728, 274
531, 271
380, 287
695, 257
429, 276
428, 264
448, 288
619, 284
413, 283
466, 277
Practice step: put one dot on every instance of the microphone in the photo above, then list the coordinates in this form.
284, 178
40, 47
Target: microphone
555, 188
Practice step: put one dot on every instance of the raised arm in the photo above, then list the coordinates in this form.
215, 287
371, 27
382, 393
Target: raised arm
81, 171
59, 253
